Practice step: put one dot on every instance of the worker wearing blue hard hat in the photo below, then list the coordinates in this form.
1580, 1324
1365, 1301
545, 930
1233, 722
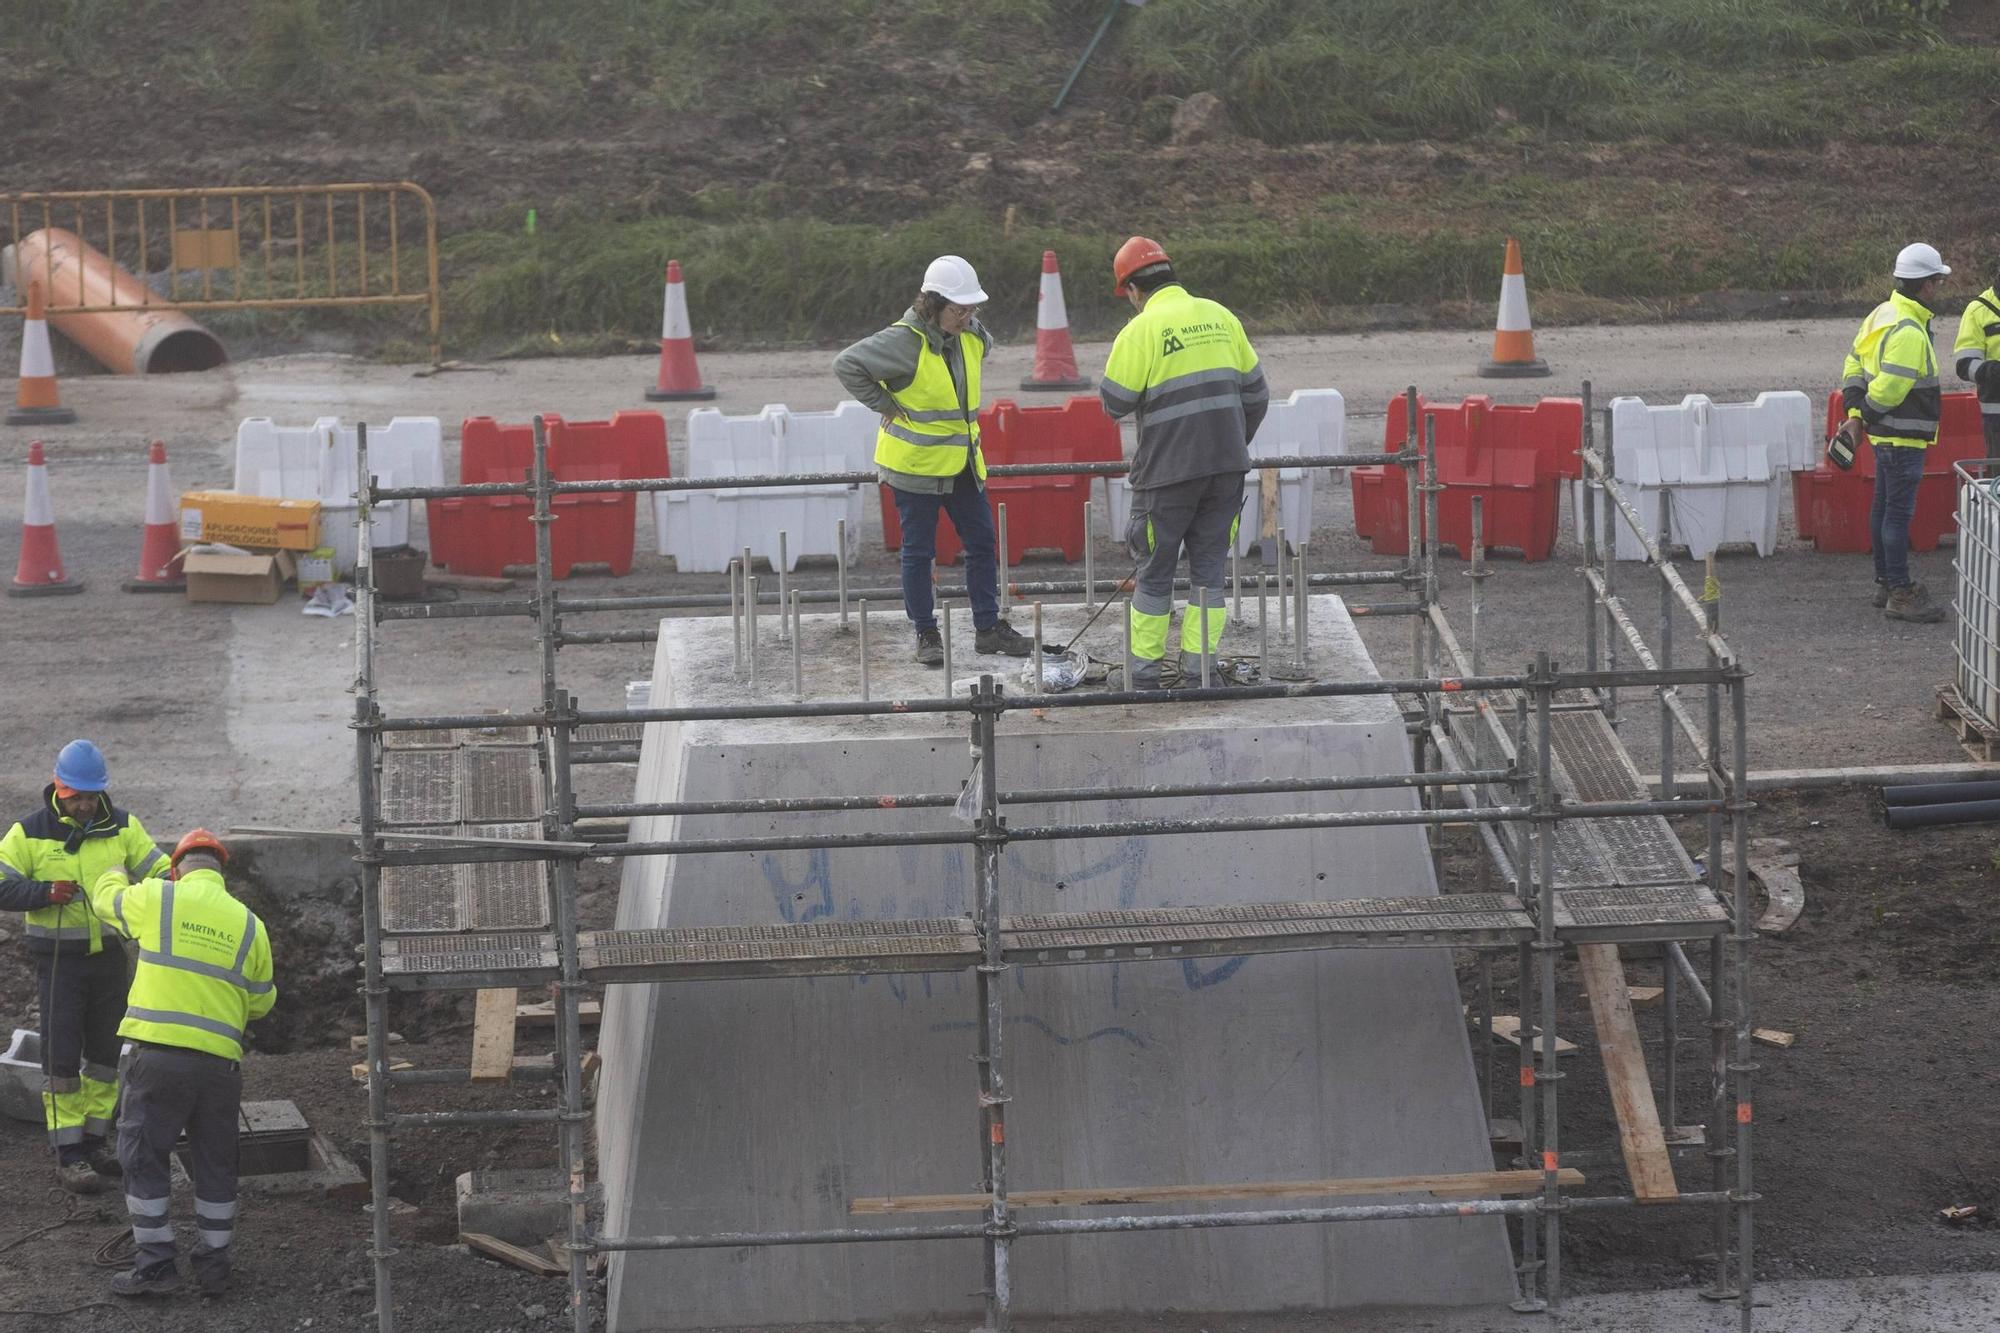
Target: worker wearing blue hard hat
71, 839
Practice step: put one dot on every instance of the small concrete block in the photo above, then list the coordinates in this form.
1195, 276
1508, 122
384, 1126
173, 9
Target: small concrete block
521, 1207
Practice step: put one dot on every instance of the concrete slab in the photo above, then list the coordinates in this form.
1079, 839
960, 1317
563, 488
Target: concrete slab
768, 1105
522, 1206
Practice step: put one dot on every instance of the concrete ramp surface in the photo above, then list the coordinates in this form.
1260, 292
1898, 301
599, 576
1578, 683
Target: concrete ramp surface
769, 1105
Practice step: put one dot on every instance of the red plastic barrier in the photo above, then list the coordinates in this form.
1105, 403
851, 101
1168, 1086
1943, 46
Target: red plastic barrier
1043, 513
1515, 458
487, 533
1832, 506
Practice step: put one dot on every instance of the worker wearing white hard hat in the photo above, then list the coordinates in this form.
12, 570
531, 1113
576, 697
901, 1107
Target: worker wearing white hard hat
921, 375
1893, 400
1976, 352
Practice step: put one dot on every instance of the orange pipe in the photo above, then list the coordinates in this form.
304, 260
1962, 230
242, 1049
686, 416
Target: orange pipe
149, 339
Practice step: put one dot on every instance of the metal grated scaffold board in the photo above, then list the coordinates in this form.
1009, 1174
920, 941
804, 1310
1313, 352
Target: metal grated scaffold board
499, 783
419, 787
420, 898
504, 895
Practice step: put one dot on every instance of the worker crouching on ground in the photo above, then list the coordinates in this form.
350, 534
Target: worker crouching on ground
204, 973
1977, 353
76, 835
921, 375
1890, 388
1184, 366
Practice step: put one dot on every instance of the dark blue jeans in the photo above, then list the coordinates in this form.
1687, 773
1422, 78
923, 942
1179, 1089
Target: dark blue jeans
1897, 472
965, 504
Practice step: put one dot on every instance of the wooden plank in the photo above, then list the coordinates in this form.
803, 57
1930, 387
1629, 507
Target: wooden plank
493, 1247
1644, 1146
359, 1041
1464, 1185
1774, 1037
360, 1071
1507, 1028
493, 1035
543, 1015
1645, 997
438, 578
1267, 518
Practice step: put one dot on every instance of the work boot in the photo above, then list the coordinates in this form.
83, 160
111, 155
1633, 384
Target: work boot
930, 648
1002, 638
103, 1159
1912, 602
164, 1280
79, 1177
1881, 598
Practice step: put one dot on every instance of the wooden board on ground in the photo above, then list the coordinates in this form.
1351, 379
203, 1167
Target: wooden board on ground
1639, 1136
1507, 1028
1773, 1037
438, 578
360, 1071
1645, 997
543, 1014
493, 1035
1464, 1185
493, 1247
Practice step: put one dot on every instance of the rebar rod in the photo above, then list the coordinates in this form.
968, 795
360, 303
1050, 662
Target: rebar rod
736, 613
798, 653
1284, 572
863, 608
750, 632
840, 567
375, 994
1478, 573
1037, 688
1263, 625
999, 557
782, 570
1301, 609
1089, 560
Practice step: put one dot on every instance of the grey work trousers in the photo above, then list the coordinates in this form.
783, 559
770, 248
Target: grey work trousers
167, 1090
1197, 516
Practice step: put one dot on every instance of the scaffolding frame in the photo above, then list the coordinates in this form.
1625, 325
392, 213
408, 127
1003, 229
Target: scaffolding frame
1456, 714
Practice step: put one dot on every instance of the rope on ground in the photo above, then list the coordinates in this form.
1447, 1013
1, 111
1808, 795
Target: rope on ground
67, 1309
118, 1251
70, 1215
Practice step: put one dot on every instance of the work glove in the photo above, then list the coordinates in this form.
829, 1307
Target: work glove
62, 891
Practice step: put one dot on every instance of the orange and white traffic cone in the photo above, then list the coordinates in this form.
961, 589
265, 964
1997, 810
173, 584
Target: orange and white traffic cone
159, 551
38, 403
40, 573
679, 376
1513, 334
1055, 359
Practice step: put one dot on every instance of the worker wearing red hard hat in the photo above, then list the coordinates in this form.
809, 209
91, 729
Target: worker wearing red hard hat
1185, 368
73, 837
204, 974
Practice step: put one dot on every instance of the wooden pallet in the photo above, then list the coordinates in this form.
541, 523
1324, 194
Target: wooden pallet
1979, 738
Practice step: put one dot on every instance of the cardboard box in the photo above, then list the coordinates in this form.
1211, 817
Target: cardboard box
251, 577
249, 520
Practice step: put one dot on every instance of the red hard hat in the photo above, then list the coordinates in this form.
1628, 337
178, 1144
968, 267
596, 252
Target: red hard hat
1138, 253
200, 840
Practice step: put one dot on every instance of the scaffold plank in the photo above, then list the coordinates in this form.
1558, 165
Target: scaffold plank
419, 787
1465, 1185
1646, 1162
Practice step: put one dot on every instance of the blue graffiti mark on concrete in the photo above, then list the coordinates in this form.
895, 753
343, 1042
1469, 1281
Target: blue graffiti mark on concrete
1060, 1039
1199, 980
811, 897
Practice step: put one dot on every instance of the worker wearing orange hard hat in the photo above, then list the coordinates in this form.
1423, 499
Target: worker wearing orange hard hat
204, 974
1184, 368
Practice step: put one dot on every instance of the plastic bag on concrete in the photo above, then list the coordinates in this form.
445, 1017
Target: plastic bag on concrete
329, 600
1060, 671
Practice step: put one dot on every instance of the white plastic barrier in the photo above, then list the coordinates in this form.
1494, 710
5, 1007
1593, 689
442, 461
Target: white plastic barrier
317, 462
1311, 421
702, 530
1723, 464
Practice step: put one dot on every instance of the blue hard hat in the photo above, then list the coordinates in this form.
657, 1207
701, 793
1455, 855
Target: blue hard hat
81, 766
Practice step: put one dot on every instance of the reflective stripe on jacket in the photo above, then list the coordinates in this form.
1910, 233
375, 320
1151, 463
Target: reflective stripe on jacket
1978, 342
1184, 365
48, 846
1895, 367
937, 428
204, 960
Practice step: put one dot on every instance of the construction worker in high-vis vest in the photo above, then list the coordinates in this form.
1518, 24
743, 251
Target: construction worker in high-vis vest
45, 860
921, 376
1890, 389
204, 975
1976, 351
1184, 366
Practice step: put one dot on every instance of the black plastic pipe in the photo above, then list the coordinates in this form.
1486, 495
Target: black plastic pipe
1942, 813
1941, 793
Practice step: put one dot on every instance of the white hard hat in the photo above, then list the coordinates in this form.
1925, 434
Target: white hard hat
1921, 261
953, 279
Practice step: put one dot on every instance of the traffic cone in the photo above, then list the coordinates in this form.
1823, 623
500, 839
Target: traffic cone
679, 377
38, 403
1055, 359
1513, 335
40, 573
159, 552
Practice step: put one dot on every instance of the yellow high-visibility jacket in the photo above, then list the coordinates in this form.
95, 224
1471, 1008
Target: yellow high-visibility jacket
204, 960
48, 847
1894, 367
1184, 365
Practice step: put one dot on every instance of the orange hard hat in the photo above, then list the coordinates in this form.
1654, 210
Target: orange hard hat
200, 840
1138, 253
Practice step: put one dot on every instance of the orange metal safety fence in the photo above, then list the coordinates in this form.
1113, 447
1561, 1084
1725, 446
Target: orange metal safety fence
274, 247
